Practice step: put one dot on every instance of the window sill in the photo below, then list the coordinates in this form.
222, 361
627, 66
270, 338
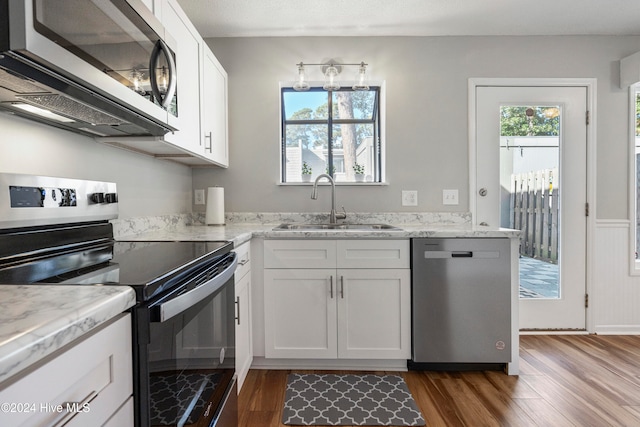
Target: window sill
338, 184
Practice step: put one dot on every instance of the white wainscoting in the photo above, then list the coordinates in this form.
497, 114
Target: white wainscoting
615, 294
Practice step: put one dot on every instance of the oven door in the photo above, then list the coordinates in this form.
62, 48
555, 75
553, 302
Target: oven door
186, 368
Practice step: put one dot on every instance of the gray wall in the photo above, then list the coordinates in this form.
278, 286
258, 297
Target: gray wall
146, 186
426, 120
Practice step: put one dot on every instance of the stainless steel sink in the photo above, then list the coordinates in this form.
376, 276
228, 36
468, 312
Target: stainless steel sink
363, 227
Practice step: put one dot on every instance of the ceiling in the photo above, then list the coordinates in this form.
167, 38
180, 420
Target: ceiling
276, 18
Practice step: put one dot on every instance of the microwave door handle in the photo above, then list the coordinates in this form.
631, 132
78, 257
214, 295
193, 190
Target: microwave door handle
159, 48
186, 300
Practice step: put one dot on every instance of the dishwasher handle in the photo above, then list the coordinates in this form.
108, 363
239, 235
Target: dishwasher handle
461, 254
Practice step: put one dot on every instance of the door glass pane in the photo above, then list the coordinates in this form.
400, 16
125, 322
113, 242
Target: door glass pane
530, 187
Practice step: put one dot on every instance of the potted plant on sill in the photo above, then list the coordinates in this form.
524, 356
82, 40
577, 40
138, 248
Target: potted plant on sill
306, 172
359, 172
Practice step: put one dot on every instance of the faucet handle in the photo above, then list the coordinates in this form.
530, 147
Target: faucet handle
342, 215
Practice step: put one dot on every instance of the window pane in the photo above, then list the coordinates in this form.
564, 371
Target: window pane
305, 143
353, 144
305, 105
354, 105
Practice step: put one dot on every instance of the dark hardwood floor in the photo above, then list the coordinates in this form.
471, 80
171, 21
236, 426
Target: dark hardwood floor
565, 380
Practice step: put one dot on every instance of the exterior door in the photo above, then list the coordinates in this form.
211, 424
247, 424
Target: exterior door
538, 185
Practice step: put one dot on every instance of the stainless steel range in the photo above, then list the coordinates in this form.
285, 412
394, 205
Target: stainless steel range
56, 231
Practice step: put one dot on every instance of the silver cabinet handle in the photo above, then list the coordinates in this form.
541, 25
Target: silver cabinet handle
238, 309
73, 408
243, 262
342, 287
331, 286
210, 147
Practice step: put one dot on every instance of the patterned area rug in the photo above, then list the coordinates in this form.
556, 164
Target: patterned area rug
359, 400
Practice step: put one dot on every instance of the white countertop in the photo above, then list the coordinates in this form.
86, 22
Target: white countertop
36, 320
243, 232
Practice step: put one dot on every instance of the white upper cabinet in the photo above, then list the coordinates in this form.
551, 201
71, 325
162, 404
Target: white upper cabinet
214, 122
188, 43
201, 138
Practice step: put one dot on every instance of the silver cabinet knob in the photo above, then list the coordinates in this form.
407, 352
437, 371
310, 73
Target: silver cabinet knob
482, 192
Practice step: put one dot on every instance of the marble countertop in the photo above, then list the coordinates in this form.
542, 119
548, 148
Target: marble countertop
243, 232
36, 320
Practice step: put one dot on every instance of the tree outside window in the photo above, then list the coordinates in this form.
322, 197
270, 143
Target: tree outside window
332, 132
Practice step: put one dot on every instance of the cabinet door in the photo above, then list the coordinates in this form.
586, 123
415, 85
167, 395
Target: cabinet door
300, 254
244, 351
300, 313
214, 110
358, 253
188, 69
374, 314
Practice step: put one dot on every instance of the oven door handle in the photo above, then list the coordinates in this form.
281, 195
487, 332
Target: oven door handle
184, 301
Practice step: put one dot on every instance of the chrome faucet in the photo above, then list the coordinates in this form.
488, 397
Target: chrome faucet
333, 216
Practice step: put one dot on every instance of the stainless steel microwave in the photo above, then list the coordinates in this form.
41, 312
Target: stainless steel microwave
98, 67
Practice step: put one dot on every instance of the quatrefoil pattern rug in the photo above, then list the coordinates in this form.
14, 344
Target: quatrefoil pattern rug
354, 400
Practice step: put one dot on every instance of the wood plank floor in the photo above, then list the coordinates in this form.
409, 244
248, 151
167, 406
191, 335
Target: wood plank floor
565, 380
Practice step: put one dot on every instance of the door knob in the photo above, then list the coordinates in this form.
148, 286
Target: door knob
482, 192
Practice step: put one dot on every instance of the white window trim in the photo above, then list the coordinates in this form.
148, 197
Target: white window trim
383, 137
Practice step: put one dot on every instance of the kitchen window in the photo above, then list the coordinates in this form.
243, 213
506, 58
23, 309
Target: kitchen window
334, 132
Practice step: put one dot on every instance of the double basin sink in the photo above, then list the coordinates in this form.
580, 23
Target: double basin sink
319, 227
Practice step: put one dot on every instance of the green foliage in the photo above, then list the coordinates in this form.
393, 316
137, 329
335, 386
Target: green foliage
358, 168
514, 121
306, 169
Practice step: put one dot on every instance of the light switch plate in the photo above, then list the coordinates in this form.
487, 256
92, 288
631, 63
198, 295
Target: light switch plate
450, 197
409, 198
199, 197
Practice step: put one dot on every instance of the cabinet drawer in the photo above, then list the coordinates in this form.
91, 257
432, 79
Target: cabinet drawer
85, 385
373, 254
300, 254
244, 260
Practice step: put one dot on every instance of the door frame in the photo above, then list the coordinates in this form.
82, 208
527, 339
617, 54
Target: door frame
591, 86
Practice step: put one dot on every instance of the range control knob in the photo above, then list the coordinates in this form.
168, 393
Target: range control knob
97, 197
111, 198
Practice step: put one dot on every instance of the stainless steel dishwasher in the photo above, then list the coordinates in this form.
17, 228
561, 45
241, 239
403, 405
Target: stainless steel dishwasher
461, 303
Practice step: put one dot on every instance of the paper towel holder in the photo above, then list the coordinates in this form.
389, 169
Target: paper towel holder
215, 206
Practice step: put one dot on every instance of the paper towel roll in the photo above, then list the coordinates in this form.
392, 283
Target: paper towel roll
215, 206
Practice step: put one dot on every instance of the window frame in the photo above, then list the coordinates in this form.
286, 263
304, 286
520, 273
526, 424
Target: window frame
378, 131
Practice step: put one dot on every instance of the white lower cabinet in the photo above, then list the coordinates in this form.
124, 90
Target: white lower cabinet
89, 384
244, 339
332, 312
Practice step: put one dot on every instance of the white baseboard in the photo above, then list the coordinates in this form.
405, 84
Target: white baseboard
618, 330
330, 364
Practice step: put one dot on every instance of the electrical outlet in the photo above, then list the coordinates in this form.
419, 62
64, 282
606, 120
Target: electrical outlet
199, 197
409, 198
449, 197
